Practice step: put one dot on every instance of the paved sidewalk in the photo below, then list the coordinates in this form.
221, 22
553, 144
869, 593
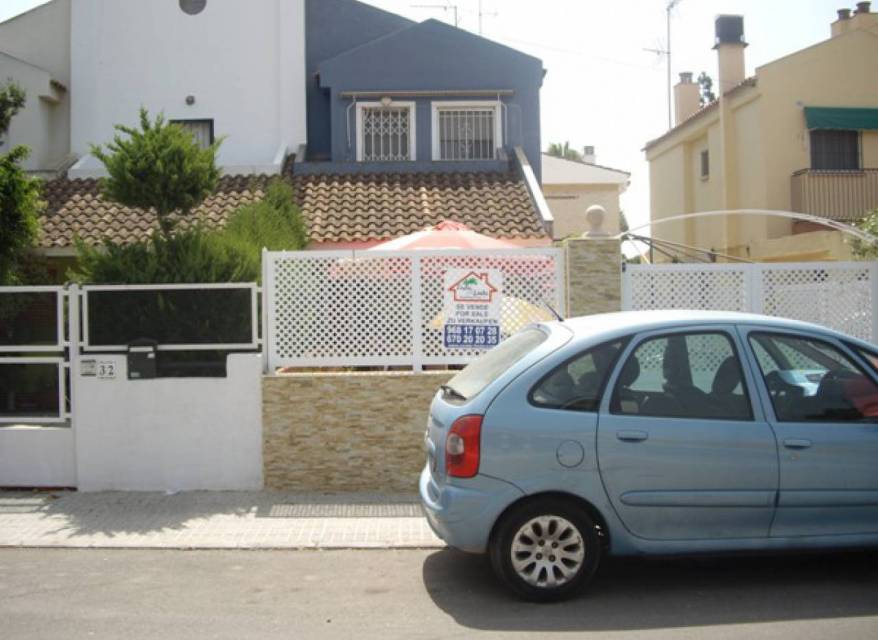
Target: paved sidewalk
212, 520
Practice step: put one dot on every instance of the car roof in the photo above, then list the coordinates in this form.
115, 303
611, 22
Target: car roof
609, 325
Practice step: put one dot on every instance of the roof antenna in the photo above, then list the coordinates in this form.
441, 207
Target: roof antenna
557, 315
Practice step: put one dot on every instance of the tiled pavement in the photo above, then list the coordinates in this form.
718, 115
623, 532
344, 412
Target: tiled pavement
212, 520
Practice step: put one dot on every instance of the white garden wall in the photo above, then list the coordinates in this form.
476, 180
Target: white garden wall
36, 456
170, 434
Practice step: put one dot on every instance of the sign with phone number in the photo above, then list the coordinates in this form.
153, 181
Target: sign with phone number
471, 336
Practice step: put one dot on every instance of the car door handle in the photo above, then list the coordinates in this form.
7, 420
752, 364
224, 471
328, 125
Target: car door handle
632, 436
796, 443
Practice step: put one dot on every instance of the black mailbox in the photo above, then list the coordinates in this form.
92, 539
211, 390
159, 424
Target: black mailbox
142, 359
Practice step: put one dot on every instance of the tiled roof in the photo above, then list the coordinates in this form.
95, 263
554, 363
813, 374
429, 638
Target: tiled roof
337, 208
76, 208
378, 206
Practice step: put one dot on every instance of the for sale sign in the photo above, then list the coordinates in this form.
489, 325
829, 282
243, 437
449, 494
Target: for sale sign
473, 303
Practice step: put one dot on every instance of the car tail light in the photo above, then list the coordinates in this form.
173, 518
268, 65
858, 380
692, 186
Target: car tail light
462, 447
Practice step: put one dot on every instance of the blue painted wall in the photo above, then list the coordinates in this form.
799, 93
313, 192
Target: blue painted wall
333, 27
427, 56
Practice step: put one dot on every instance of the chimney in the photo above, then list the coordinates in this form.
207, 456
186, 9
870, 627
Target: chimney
687, 98
861, 18
730, 51
841, 25
588, 155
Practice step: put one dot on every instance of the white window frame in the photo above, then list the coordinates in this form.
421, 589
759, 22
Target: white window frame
413, 137
461, 106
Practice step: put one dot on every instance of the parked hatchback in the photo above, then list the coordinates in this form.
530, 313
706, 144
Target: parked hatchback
653, 433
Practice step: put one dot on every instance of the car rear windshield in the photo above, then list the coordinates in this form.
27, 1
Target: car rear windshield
482, 372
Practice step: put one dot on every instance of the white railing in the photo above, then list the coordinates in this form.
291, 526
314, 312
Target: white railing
50, 354
381, 308
839, 295
71, 340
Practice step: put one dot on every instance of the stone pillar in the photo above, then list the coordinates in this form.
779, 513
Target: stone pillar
594, 275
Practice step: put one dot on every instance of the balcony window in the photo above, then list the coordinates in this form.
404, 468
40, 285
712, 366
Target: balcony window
386, 132
201, 130
835, 150
466, 131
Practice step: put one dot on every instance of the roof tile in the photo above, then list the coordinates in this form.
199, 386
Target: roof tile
342, 207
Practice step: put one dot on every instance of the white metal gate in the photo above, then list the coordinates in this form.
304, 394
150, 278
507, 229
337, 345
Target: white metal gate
385, 308
840, 295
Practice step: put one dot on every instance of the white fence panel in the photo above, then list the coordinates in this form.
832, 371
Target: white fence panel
839, 295
686, 286
382, 308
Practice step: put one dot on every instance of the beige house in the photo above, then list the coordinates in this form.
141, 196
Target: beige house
799, 135
571, 187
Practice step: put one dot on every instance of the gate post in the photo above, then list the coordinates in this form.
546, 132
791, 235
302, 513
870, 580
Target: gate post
873, 300
594, 275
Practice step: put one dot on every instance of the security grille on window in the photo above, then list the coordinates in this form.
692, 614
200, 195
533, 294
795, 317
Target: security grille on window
467, 134
835, 150
201, 130
385, 134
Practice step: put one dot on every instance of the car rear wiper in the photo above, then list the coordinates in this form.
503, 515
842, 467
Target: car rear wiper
451, 391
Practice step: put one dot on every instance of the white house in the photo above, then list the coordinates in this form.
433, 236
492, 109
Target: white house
35, 53
222, 71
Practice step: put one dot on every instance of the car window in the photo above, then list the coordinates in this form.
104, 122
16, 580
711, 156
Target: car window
488, 367
813, 381
577, 384
696, 375
869, 356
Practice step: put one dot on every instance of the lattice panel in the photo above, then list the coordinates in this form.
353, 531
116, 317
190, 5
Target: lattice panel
836, 297
369, 309
669, 288
529, 281
340, 310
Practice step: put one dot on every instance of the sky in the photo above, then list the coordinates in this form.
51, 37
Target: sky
602, 87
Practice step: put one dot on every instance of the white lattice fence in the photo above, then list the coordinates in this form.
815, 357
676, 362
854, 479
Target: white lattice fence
376, 308
840, 295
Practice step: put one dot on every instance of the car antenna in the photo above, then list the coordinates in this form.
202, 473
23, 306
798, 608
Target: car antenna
557, 315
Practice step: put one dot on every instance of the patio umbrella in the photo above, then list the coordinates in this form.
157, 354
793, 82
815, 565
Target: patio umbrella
448, 234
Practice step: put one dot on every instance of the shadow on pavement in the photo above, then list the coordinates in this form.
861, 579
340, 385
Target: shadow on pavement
656, 594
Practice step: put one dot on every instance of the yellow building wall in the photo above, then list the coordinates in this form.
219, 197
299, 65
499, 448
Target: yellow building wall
870, 149
836, 73
771, 142
667, 194
568, 204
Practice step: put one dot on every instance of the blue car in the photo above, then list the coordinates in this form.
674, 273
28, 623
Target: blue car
647, 433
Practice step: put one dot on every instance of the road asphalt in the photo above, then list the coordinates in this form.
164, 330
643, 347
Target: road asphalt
176, 595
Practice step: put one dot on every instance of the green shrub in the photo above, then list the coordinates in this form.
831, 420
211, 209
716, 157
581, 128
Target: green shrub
274, 222
190, 256
232, 254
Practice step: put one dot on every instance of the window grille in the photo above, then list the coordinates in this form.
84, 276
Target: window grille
467, 134
385, 134
835, 150
201, 130
705, 164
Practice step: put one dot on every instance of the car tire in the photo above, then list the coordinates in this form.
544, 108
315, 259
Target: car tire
545, 550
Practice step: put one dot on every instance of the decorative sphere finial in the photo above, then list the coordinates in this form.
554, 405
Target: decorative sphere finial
595, 216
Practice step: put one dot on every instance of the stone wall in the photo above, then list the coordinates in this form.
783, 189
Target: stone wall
346, 431
594, 276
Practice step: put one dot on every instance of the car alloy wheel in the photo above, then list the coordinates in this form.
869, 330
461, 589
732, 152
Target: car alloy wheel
547, 551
